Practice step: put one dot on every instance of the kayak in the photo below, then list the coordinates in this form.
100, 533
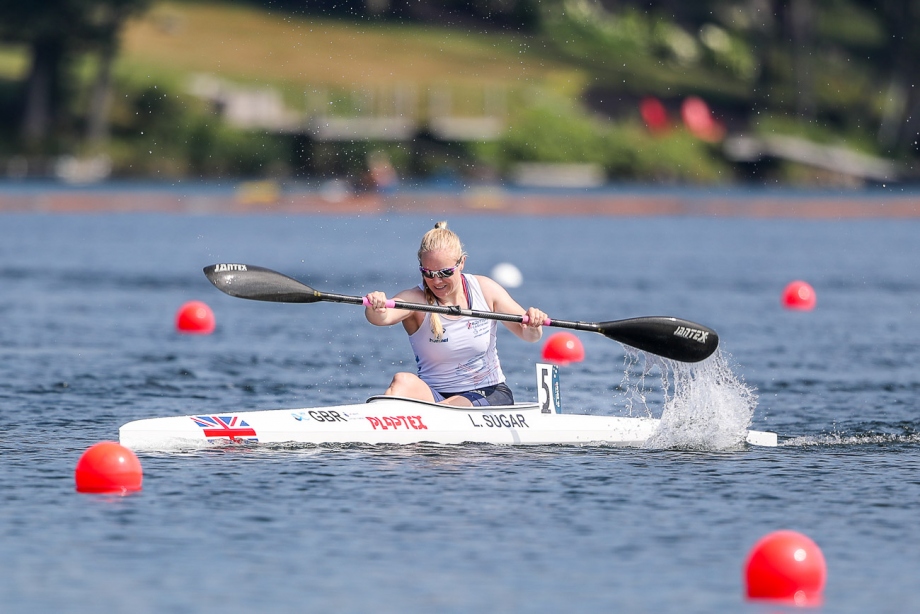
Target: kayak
396, 420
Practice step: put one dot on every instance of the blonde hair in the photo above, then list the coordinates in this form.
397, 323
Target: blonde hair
439, 238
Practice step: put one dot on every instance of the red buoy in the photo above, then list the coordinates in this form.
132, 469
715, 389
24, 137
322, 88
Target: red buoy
196, 318
699, 121
563, 348
108, 467
654, 114
799, 295
786, 566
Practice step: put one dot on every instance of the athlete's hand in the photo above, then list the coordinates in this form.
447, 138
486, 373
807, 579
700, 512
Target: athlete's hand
535, 318
376, 301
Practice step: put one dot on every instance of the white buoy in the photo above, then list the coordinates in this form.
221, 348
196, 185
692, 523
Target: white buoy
507, 275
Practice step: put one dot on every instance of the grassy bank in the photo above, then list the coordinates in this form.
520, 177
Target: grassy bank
252, 45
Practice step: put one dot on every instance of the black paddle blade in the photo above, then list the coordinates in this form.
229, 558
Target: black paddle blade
259, 284
665, 336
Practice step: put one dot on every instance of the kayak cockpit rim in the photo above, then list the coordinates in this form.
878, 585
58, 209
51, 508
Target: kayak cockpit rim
377, 398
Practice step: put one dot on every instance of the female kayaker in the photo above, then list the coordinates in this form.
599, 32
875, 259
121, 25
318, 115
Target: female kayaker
456, 356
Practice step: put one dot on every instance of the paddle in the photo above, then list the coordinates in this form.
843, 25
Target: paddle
672, 338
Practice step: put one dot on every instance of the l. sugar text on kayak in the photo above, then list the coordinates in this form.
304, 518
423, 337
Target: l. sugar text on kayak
501, 420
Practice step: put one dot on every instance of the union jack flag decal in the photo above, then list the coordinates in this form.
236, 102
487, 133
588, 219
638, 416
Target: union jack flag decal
231, 427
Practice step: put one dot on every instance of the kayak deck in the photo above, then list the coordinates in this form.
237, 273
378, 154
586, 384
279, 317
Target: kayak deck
395, 420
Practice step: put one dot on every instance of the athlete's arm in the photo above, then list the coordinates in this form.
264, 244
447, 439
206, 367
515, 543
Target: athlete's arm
379, 314
499, 300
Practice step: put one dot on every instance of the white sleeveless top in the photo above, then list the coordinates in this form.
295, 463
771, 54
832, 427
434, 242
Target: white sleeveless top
466, 357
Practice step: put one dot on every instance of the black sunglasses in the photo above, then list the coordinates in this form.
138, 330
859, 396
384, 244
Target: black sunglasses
441, 273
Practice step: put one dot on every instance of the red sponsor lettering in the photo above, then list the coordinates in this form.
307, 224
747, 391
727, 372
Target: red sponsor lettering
386, 423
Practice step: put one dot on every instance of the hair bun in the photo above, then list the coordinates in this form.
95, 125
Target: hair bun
441, 225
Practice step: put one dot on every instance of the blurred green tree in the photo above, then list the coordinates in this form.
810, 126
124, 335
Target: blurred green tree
55, 32
900, 125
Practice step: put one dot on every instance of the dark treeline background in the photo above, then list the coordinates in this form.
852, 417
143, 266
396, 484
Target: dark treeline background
789, 47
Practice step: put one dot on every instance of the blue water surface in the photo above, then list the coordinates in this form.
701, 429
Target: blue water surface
87, 343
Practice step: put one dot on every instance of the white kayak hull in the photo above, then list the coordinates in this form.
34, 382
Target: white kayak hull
390, 420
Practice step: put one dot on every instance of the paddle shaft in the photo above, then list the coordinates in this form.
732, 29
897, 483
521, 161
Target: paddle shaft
665, 336
454, 310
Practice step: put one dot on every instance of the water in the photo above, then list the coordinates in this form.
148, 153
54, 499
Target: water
87, 343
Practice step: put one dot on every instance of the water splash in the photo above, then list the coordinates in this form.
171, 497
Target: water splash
705, 406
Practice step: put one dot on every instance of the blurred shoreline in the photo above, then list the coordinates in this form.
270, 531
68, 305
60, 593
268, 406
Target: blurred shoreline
338, 198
